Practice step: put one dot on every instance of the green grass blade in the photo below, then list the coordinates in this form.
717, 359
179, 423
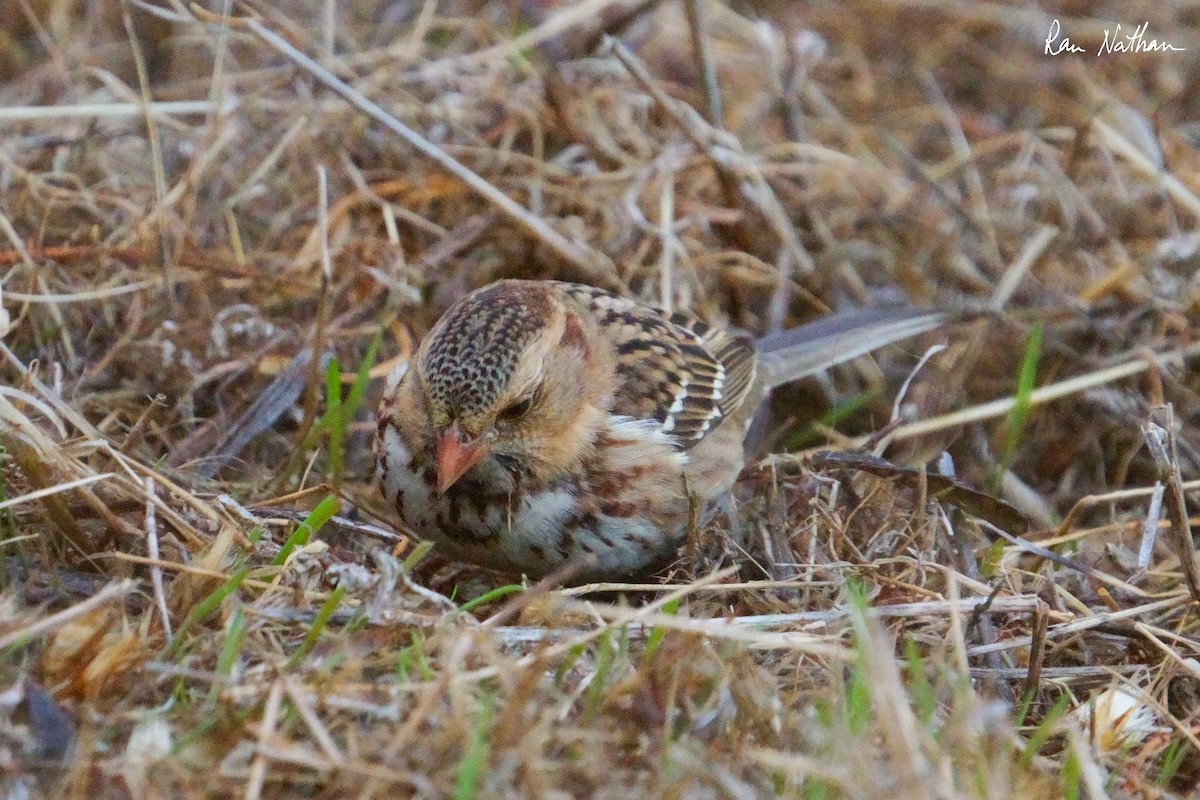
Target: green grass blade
322, 513
470, 769
231, 647
320, 622
202, 610
362, 377
339, 413
333, 421
418, 552
812, 435
1042, 733
1019, 415
1172, 759
658, 632
494, 594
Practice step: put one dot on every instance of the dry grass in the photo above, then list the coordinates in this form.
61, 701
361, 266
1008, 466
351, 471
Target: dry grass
189, 213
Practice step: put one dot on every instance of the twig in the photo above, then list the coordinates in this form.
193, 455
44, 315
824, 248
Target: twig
594, 264
1011, 279
1127, 150
313, 381
1056, 673
158, 110
303, 704
89, 296
1062, 561
1037, 651
769, 622
49, 490
156, 153
47, 624
1150, 527
266, 729
1088, 501
734, 168
932, 351
1045, 394
698, 25
156, 575
1086, 623
1160, 437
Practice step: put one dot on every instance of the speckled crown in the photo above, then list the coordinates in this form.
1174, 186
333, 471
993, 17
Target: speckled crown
476, 344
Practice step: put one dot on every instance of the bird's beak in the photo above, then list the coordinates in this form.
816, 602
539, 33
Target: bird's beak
455, 457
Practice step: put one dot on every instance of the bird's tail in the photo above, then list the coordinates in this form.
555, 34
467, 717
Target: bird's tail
796, 353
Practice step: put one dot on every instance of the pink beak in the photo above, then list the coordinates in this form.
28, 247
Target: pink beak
455, 456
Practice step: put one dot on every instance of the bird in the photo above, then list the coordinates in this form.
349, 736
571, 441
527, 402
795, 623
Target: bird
545, 427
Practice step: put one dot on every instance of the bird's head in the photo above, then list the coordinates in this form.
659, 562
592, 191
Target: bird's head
512, 371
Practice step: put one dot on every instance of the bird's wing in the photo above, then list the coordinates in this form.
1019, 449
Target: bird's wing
673, 367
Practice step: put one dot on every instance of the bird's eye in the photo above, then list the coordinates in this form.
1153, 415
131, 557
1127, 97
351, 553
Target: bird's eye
516, 410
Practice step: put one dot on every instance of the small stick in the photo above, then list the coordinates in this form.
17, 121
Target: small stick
1018, 269
266, 730
738, 173
1150, 528
47, 624
1127, 150
156, 575
1037, 650
161, 109
1085, 623
156, 153
1161, 439
1062, 561
304, 706
1043, 394
698, 23
592, 262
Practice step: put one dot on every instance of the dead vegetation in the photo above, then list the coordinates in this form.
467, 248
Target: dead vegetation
212, 250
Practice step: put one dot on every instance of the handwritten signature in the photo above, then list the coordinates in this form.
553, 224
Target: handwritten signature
1114, 42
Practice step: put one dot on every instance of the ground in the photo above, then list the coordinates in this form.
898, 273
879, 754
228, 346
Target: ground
960, 568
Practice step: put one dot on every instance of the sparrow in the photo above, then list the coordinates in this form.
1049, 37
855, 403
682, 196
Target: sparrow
544, 426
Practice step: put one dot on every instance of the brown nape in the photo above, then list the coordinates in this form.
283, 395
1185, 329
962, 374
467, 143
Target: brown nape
573, 336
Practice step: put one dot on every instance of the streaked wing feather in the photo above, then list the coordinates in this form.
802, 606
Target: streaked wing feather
674, 368
735, 352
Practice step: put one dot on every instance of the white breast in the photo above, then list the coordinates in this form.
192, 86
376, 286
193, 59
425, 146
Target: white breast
599, 515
